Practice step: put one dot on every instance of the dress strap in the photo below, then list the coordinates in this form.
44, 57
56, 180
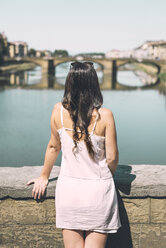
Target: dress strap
62, 115
70, 129
95, 123
62, 120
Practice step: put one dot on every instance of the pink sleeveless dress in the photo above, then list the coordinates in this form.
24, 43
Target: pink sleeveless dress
85, 196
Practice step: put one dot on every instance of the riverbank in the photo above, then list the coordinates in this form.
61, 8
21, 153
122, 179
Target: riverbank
17, 67
141, 191
148, 68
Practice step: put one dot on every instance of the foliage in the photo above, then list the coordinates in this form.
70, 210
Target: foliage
60, 53
91, 54
163, 76
42, 54
32, 52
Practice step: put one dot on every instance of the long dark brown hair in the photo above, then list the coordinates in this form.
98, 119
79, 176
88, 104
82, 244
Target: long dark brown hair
82, 94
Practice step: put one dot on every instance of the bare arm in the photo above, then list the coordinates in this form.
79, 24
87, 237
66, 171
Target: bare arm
53, 148
112, 153
52, 151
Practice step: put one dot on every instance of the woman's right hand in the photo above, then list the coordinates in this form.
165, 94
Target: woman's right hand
39, 187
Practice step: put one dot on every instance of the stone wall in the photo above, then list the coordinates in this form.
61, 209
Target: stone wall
25, 222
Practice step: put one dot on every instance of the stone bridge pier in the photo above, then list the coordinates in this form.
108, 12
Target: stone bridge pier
48, 66
48, 72
109, 74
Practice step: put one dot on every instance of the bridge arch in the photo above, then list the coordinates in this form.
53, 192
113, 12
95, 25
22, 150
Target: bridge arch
122, 62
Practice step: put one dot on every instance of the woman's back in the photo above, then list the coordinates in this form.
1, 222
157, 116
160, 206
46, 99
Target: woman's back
79, 164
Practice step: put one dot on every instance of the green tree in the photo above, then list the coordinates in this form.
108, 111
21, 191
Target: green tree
32, 52
60, 53
42, 54
91, 54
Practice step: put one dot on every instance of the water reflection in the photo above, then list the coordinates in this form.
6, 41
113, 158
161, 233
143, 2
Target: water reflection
34, 76
134, 75
128, 76
21, 78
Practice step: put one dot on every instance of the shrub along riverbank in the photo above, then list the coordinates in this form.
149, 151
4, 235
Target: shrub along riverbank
163, 76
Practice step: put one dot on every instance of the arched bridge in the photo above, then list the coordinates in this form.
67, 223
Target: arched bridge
109, 66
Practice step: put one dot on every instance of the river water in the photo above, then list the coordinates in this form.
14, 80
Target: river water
140, 117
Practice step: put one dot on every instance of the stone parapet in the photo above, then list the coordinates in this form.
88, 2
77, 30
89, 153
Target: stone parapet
25, 222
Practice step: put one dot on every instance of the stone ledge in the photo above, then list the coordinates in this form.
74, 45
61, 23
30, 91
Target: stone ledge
141, 180
13, 181
131, 180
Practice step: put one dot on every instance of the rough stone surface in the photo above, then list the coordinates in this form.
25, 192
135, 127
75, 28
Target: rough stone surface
158, 211
141, 180
137, 210
13, 181
50, 211
29, 212
135, 233
150, 236
28, 223
31, 236
131, 180
163, 235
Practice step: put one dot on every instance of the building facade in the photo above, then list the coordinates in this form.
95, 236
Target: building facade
149, 50
11, 50
3, 45
21, 48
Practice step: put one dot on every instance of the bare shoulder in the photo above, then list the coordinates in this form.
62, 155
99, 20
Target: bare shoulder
55, 116
106, 114
55, 111
57, 107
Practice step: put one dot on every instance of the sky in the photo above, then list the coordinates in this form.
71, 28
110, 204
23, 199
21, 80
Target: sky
83, 26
